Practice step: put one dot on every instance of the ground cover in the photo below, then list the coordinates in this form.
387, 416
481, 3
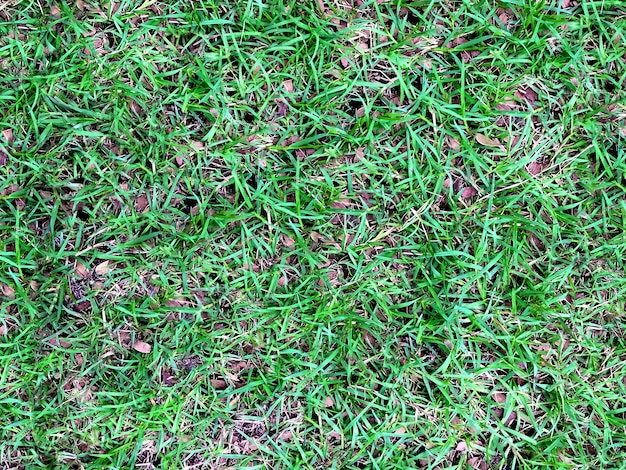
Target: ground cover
370, 234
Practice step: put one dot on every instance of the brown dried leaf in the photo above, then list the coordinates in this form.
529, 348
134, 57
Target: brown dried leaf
287, 241
341, 204
478, 463
510, 419
534, 168
79, 360
167, 377
55, 11
102, 268
59, 343
499, 397
219, 384
3, 330
288, 85
469, 193
286, 436
453, 143
141, 203
142, 347
80, 269
486, 141
328, 402
82, 6
197, 145
527, 94
7, 291
461, 446
7, 134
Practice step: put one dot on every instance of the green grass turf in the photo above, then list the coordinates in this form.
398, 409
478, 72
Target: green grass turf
312, 234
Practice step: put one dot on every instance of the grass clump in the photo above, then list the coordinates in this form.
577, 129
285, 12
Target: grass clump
378, 234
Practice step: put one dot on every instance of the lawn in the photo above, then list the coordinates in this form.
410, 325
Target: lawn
312, 234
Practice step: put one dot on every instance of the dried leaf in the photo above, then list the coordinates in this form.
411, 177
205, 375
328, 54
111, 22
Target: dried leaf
80, 269
486, 141
55, 11
168, 377
453, 143
400, 431
3, 330
510, 419
141, 203
534, 168
197, 145
82, 6
287, 241
469, 193
328, 402
7, 134
286, 435
59, 343
478, 463
79, 360
102, 268
461, 447
288, 84
142, 347
499, 397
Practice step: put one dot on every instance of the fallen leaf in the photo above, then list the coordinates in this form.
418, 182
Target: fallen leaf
286, 436
7, 134
59, 343
453, 143
80, 269
510, 419
287, 240
79, 360
168, 377
328, 402
527, 94
141, 203
461, 447
142, 347
177, 302
469, 193
219, 384
197, 145
534, 168
55, 11
82, 6
400, 431
478, 463
484, 140
499, 397
288, 84
3, 330
102, 268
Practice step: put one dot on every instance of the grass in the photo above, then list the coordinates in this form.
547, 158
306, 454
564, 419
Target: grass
312, 234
